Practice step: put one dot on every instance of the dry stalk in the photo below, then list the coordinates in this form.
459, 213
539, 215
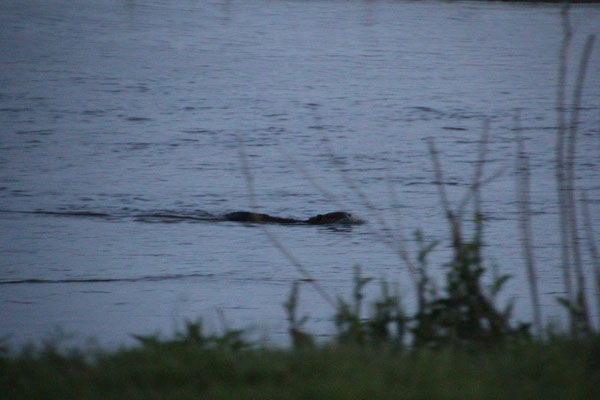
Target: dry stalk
560, 158
453, 221
524, 203
393, 241
276, 242
570, 178
591, 241
479, 169
393, 198
399, 249
324, 192
475, 189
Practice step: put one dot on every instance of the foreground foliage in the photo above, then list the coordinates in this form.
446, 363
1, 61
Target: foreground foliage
186, 368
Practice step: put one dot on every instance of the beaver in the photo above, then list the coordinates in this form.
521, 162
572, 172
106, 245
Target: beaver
337, 217
247, 216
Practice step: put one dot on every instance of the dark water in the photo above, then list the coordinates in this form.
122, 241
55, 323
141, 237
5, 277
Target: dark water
115, 109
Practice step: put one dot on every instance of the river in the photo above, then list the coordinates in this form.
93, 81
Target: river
114, 109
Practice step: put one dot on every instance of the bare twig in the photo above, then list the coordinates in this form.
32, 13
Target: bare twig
450, 216
560, 158
324, 192
393, 196
478, 182
335, 200
570, 178
276, 242
356, 189
396, 244
393, 241
473, 189
524, 202
591, 241
439, 180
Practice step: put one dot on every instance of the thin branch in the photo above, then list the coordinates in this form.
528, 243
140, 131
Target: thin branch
352, 186
324, 192
578, 91
485, 135
478, 182
439, 181
339, 204
276, 242
591, 241
524, 202
393, 197
560, 158
396, 243
473, 189
570, 177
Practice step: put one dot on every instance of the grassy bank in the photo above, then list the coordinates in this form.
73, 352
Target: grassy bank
182, 369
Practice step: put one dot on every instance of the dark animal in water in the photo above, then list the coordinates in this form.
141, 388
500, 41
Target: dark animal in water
338, 217
246, 216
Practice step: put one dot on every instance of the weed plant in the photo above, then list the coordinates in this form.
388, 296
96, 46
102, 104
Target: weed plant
462, 314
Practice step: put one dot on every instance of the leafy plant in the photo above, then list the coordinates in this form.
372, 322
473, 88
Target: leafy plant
463, 315
385, 324
193, 335
298, 336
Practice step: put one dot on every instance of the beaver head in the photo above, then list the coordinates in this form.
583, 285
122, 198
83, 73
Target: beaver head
337, 217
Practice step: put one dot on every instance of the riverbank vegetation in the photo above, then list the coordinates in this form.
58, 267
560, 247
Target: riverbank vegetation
193, 366
458, 342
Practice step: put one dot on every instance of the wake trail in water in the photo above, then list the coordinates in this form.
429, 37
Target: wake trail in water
151, 278
164, 216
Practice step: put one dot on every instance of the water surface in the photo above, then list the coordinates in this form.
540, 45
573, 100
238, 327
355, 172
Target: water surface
113, 109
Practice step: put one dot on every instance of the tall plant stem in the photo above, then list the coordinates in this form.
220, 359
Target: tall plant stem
560, 158
570, 179
591, 241
452, 219
524, 205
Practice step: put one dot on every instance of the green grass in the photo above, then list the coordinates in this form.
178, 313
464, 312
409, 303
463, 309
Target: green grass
185, 370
